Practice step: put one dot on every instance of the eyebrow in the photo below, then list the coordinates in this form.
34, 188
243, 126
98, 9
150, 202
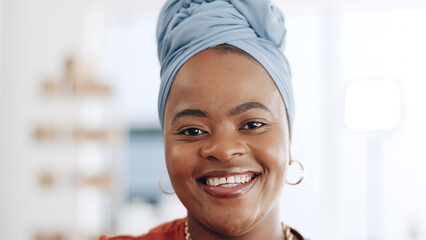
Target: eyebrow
234, 111
247, 106
190, 113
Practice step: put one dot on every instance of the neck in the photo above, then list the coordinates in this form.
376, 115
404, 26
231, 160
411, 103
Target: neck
267, 227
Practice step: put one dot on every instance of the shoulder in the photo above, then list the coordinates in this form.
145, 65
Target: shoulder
168, 231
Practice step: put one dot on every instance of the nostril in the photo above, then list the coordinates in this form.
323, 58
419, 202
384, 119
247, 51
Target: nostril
223, 158
211, 158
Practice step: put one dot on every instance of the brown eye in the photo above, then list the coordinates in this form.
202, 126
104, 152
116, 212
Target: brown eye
192, 132
252, 125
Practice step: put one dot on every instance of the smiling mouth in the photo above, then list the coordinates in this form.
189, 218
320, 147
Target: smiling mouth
231, 186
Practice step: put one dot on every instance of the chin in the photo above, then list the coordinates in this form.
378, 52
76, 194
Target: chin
232, 224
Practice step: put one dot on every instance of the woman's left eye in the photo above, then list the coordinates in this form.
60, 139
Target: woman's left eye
252, 125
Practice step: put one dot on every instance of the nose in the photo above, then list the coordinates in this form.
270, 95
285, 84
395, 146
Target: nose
223, 146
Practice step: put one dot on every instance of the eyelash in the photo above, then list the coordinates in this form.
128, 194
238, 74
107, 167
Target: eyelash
260, 124
186, 131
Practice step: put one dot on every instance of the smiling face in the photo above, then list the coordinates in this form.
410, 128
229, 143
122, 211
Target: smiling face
226, 142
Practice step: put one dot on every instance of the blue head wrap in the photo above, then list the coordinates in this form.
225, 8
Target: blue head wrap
187, 27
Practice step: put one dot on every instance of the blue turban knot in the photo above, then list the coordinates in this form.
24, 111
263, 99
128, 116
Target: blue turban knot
187, 27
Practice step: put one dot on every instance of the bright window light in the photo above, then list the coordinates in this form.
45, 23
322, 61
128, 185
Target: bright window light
372, 105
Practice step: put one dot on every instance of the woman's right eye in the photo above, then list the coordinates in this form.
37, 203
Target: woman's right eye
192, 132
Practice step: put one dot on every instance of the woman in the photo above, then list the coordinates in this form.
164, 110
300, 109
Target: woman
226, 108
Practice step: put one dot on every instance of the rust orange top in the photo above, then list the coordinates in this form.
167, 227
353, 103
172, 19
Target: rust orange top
174, 230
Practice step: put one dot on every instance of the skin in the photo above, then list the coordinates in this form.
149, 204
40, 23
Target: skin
219, 136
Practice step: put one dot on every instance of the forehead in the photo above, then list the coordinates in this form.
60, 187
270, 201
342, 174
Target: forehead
221, 80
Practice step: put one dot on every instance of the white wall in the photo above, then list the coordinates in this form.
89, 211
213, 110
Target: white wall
35, 38
360, 185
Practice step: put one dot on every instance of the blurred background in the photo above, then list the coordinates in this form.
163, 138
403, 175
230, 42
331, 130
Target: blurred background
80, 144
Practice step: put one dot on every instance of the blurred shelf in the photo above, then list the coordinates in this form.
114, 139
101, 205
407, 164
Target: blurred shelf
80, 139
78, 79
78, 134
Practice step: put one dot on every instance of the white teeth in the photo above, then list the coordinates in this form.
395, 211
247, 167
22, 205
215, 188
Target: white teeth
216, 181
231, 181
230, 185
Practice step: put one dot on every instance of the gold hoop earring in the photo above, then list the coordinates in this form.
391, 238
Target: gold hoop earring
161, 188
302, 175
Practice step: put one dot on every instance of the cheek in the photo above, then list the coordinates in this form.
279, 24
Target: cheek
179, 160
272, 152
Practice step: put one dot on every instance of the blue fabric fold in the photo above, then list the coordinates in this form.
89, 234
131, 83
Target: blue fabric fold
187, 27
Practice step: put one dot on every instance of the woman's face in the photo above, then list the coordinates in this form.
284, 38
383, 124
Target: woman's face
226, 141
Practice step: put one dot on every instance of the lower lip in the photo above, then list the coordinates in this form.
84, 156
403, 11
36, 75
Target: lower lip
229, 192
